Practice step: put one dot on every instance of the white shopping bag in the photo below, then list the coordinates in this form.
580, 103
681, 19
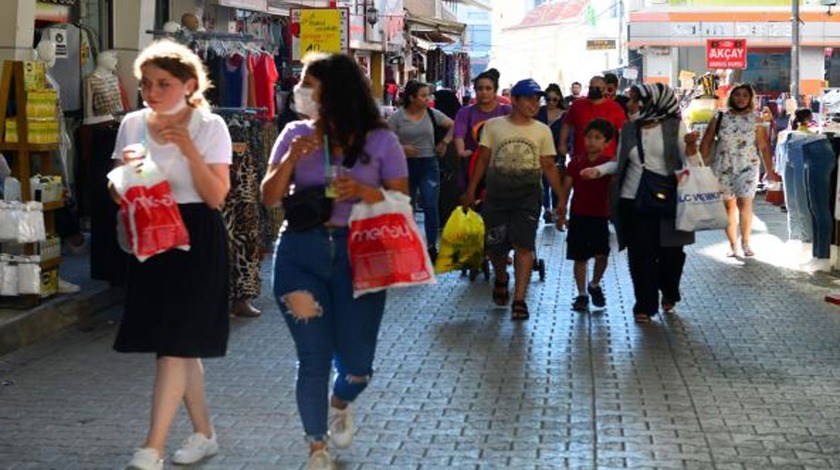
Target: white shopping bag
385, 246
699, 200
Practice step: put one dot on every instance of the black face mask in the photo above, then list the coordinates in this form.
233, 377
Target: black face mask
595, 94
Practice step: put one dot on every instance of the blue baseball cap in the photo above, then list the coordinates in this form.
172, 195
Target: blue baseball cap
527, 87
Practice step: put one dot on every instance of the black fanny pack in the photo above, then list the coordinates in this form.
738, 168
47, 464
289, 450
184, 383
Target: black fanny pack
307, 209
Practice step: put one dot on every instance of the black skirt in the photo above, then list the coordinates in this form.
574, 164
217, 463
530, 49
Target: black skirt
177, 302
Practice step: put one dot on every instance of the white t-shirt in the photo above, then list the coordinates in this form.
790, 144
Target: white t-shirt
209, 134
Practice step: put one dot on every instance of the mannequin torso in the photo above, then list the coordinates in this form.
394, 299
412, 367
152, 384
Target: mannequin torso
102, 91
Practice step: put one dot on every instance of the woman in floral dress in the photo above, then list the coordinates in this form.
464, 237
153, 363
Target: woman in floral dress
741, 143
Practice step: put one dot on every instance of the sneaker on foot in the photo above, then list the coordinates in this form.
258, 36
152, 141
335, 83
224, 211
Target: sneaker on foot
342, 428
597, 294
195, 448
65, 287
145, 459
320, 460
581, 303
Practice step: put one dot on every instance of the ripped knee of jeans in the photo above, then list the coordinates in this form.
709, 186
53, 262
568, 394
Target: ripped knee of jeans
302, 305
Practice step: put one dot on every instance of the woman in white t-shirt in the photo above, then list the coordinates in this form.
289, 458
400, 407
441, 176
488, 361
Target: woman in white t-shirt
177, 302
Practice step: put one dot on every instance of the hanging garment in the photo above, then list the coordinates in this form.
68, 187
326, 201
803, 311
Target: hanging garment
232, 76
242, 216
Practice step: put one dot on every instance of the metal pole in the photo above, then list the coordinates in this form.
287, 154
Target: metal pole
620, 32
794, 50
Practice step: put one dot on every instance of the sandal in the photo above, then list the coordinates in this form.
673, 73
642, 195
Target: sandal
732, 253
519, 310
640, 317
747, 251
668, 306
501, 294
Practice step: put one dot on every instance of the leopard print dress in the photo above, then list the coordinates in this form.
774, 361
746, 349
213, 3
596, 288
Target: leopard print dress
241, 211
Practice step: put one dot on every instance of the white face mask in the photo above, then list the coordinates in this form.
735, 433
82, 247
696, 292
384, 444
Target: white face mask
304, 103
176, 109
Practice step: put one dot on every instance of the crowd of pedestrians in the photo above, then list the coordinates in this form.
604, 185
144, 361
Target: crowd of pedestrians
576, 162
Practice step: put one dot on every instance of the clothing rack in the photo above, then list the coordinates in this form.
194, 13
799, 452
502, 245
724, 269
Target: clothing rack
249, 110
189, 36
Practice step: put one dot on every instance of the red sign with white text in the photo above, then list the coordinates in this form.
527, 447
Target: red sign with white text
726, 54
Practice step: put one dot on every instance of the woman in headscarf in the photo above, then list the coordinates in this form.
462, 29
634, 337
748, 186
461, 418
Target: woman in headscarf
659, 138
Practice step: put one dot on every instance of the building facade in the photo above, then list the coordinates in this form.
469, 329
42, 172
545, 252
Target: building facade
559, 41
670, 37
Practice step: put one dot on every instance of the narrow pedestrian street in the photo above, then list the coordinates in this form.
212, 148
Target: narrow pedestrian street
746, 375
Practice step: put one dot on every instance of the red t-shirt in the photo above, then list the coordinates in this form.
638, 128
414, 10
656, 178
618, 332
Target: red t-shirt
591, 198
583, 111
265, 75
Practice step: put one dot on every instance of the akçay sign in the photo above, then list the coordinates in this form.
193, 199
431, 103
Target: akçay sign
726, 54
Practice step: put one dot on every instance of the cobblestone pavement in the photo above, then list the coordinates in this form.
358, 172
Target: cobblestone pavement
744, 376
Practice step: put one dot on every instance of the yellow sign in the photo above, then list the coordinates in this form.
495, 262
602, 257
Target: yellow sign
321, 31
600, 44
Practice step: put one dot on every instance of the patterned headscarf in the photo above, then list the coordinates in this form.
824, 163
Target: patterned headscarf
658, 102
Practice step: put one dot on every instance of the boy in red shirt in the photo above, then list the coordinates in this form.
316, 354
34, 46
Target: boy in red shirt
589, 235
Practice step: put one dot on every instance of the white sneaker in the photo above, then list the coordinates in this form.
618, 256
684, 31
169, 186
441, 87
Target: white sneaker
145, 459
320, 460
195, 448
65, 287
342, 428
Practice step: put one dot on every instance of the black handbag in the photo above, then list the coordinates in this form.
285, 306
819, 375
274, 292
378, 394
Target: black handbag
439, 131
307, 209
657, 194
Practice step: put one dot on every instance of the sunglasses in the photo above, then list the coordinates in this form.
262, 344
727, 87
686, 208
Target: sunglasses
553, 99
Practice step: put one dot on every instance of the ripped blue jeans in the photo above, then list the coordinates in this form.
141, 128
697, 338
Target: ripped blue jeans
313, 287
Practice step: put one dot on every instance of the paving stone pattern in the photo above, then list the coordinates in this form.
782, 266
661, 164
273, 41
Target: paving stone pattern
744, 376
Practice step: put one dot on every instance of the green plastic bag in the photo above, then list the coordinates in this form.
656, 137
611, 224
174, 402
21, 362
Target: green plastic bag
462, 242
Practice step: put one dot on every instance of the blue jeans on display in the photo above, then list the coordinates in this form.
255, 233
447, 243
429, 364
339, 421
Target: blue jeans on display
424, 176
796, 197
344, 332
818, 162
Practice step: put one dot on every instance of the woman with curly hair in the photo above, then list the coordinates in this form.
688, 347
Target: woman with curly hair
176, 302
312, 277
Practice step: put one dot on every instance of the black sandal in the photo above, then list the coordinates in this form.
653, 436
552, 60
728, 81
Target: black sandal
501, 294
519, 310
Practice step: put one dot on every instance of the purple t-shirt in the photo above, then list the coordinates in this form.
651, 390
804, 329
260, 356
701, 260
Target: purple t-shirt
470, 118
387, 162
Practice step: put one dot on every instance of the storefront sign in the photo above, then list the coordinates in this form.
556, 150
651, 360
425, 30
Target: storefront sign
59, 38
600, 44
726, 54
319, 30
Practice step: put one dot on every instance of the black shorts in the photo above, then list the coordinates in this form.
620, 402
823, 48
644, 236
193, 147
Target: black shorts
507, 226
587, 237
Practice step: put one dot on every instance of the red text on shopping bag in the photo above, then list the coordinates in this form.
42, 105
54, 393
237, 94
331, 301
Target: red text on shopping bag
387, 251
152, 220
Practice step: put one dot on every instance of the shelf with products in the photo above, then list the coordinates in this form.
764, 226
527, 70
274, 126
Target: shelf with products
29, 116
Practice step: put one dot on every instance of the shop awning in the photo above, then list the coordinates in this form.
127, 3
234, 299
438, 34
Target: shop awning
431, 37
475, 3
417, 24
